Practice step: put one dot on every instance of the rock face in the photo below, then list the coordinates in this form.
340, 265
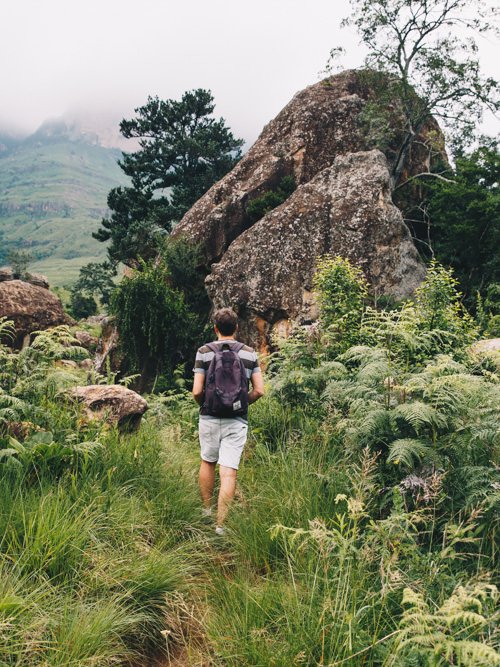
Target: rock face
342, 205
30, 307
6, 273
112, 403
266, 273
37, 279
107, 351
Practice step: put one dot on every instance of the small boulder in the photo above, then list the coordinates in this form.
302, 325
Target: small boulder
6, 273
111, 403
86, 340
490, 345
37, 279
31, 308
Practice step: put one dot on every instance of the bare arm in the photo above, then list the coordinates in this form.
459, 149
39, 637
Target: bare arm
257, 387
199, 387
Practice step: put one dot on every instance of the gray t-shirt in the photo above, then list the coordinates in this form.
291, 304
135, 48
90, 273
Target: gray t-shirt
205, 355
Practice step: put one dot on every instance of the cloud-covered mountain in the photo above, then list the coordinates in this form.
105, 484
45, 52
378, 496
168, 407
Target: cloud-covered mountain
53, 190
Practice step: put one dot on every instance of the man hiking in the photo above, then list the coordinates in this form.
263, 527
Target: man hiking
222, 372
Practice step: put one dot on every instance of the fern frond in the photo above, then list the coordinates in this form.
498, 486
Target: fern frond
7, 329
419, 414
408, 450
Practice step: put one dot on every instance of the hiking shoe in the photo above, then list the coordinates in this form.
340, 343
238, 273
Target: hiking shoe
206, 515
220, 531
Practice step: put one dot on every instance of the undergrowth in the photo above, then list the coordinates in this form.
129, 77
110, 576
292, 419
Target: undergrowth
365, 529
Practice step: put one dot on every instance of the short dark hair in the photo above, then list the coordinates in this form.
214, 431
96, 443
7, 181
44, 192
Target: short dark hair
226, 321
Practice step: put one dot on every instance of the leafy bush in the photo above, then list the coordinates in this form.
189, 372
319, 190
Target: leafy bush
342, 290
153, 321
82, 305
258, 207
19, 260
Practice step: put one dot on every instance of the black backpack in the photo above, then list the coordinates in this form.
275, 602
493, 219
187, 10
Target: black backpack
226, 385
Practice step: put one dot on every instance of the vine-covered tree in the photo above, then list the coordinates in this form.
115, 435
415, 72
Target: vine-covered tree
183, 150
427, 52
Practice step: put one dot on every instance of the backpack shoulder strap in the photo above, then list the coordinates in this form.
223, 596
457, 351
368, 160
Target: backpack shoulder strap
238, 347
213, 347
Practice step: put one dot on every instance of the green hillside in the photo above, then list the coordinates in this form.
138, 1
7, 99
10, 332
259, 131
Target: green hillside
53, 190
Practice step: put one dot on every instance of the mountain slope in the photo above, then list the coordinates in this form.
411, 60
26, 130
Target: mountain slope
53, 190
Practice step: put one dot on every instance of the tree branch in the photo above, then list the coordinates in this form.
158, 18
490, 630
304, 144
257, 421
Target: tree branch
426, 174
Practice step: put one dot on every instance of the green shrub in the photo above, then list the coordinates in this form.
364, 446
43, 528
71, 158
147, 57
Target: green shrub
258, 207
342, 291
153, 321
82, 305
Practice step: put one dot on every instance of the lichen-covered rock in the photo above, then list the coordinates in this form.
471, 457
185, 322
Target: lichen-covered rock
114, 404
30, 307
108, 354
342, 204
346, 209
37, 279
320, 123
6, 273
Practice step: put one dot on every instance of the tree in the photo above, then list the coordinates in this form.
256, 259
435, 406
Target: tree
154, 323
428, 56
82, 305
19, 261
96, 279
183, 150
465, 219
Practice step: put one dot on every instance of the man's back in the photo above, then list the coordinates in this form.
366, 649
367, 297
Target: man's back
205, 356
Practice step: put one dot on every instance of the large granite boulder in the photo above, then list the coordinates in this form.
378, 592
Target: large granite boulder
30, 307
346, 209
342, 205
320, 123
114, 404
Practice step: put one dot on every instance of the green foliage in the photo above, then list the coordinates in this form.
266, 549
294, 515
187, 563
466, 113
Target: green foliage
488, 311
464, 215
458, 632
95, 537
153, 321
342, 290
19, 261
258, 207
427, 55
183, 151
183, 262
438, 306
96, 280
82, 305
364, 529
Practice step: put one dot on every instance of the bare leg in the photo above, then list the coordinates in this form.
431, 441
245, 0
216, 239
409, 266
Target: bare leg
207, 482
226, 493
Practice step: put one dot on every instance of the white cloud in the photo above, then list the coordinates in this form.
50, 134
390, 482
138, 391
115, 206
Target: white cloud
109, 55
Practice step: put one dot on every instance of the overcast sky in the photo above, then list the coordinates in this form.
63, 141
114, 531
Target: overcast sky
109, 55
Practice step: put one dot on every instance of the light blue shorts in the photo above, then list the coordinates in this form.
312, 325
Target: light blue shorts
222, 440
